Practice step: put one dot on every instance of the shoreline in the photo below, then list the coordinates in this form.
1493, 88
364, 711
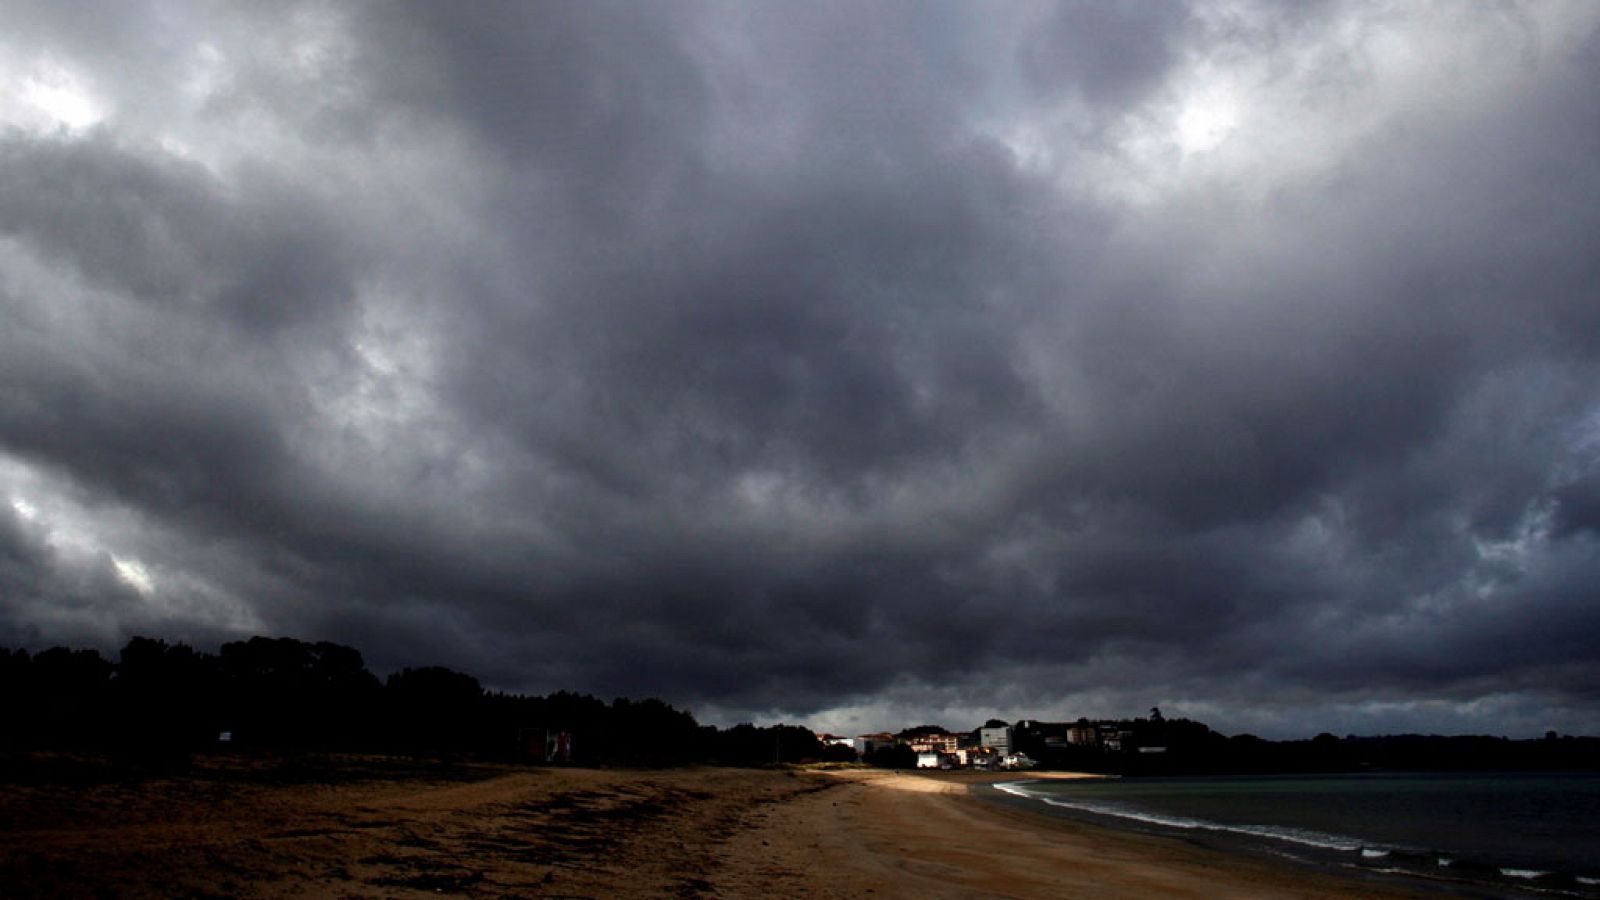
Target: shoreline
1393, 864
365, 828
1386, 859
933, 834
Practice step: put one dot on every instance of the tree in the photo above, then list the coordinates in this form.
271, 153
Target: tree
285, 692
435, 709
68, 696
169, 698
898, 756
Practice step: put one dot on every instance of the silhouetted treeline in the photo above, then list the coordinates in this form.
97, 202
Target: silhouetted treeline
1156, 746
1325, 752
161, 702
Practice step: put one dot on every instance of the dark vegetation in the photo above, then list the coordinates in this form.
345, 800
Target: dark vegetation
1188, 747
159, 704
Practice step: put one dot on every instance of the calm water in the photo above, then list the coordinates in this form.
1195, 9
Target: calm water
1502, 833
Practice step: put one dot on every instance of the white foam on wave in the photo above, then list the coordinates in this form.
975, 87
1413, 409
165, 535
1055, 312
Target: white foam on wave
1523, 873
1015, 788
1584, 879
1300, 836
1373, 853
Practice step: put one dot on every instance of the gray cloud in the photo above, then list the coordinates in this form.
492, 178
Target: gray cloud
1109, 54
818, 361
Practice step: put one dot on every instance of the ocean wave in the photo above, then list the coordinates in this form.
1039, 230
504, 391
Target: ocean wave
1302, 836
1435, 863
1018, 789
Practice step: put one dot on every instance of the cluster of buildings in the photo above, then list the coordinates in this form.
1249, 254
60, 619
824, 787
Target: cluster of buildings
985, 748
997, 745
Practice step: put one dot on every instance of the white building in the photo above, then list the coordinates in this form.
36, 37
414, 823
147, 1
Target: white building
997, 739
936, 743
1017, 761
976, 758
834, 740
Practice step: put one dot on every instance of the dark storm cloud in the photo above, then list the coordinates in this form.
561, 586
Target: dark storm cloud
887, 362
1108, 53
163, 232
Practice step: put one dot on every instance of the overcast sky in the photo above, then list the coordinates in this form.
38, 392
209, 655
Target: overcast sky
860, 365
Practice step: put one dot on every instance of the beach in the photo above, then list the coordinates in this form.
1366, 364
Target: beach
925, 835
374, 828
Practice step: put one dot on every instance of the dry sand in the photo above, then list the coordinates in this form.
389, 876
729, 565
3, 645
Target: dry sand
368, 828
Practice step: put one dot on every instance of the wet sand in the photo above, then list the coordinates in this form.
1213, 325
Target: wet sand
925, 835
373, 828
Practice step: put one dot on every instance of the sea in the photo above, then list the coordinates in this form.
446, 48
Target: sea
1482, 835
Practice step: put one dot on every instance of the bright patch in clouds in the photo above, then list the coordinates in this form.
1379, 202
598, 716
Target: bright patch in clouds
134, 573
1209, 116
53, 97
27, 511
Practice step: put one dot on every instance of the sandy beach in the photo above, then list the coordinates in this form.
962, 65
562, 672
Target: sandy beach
924, 835
367, 828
